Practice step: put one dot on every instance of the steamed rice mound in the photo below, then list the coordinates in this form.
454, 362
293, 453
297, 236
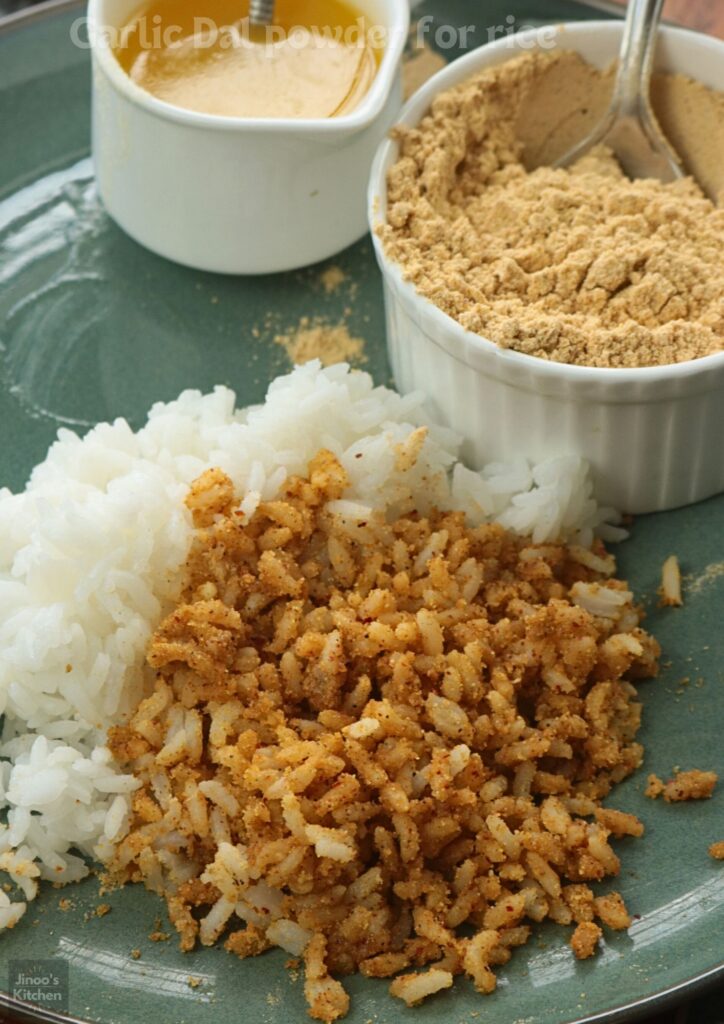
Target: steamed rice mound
366, 734
92, 556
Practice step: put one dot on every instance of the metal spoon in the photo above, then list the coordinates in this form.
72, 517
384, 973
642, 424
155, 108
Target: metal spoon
629, 127
261, 12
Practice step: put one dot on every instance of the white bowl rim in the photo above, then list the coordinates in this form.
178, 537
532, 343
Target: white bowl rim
398, 25
410, 116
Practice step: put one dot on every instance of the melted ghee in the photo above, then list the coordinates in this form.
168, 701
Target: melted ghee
317, 61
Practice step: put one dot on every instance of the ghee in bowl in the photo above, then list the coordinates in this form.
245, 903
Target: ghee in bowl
318, 60
236, 194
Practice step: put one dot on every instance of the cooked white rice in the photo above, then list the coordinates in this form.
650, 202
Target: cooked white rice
91, 553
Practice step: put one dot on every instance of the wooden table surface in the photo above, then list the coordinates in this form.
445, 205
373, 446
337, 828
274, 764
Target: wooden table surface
704, 15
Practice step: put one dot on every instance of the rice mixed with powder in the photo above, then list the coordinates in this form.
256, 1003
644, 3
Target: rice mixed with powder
381, 741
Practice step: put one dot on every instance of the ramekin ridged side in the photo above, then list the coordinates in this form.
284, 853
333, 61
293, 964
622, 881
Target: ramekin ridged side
654, 436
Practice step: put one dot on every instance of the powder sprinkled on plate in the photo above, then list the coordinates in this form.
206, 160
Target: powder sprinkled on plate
332, 279
315, 339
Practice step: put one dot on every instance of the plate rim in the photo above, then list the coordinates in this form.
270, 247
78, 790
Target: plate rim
628, 1012
38, 12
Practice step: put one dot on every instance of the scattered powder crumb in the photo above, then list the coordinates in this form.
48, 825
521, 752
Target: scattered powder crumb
332, 279
585, 939
654, 787
716, 850
581, 265
273, 1000
193, 982
135, 954
710, 575
106, 884
314, 339
158, 935
691, 785
670, 591
612, 911
65, 905
100, 911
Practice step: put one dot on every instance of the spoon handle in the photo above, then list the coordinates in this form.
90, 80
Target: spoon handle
261, 12
637, 54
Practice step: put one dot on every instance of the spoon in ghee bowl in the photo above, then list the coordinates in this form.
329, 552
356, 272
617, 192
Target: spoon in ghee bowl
261, 12
629, 127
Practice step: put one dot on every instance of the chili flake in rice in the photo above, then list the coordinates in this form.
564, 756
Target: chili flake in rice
365, 735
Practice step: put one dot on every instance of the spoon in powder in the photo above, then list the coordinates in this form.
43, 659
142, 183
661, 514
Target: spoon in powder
629, 127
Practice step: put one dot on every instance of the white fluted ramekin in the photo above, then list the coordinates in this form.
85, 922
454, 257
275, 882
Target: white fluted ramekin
237, 195
653, 436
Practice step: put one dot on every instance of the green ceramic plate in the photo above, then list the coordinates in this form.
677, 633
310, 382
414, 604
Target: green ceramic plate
92, 327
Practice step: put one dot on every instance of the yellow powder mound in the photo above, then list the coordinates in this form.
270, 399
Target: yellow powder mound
578, 266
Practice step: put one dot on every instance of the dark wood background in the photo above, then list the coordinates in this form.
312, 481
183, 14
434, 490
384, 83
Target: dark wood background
705, 15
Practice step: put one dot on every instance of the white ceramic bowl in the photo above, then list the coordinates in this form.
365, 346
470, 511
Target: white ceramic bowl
653, 436
236, 195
